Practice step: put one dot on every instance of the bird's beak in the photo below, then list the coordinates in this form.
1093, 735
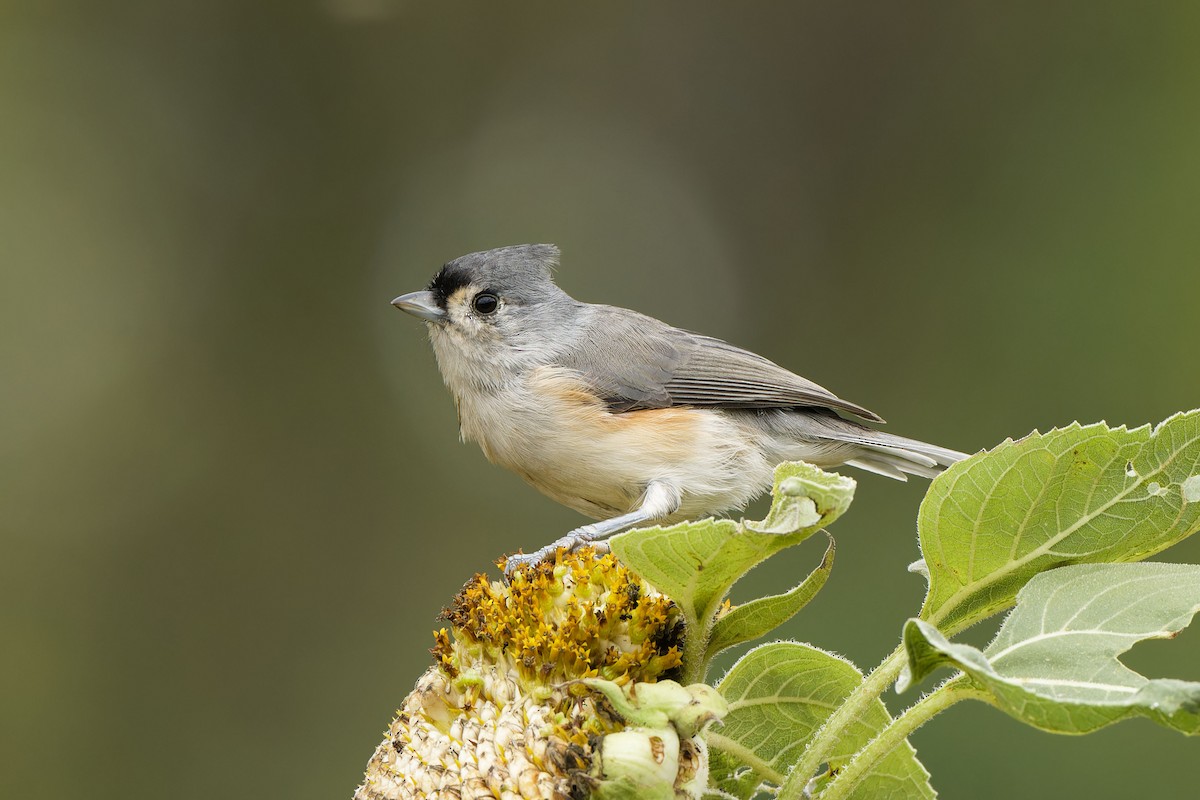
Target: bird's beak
420, 304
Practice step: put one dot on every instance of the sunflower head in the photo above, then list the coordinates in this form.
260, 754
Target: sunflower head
542, 688
582, 615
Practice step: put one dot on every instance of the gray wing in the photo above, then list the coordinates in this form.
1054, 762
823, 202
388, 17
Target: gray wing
637, 362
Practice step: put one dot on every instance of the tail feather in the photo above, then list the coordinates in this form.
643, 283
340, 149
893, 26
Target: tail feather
855, 444
938, 455
888, 454
879, 466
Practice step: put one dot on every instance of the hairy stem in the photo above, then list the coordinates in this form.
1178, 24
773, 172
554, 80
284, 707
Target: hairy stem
695, 646
822, 744
894, 735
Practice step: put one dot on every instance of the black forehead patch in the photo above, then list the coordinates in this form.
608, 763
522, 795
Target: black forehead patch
520, 272
448, 280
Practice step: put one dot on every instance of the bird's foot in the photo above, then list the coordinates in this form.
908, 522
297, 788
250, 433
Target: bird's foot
583, 536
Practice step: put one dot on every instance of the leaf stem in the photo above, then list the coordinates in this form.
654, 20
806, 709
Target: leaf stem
695, 650
823, 742
894, 735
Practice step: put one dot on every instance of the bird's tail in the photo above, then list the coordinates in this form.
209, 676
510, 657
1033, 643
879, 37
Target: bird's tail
827, 440
867, 448
896, 457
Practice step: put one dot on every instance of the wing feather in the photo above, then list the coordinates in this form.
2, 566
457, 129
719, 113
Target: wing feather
637, 362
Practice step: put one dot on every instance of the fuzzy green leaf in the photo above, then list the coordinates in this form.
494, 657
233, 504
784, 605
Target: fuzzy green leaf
759, 617
1075, 495
728, 775
695, 563
779, 695
805, 497
1054, 663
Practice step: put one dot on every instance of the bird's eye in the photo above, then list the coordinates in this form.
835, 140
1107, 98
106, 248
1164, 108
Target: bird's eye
486, 303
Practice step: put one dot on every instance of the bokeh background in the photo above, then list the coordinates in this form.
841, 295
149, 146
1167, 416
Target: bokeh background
233, 499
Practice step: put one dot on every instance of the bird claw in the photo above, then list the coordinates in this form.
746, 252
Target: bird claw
580, 537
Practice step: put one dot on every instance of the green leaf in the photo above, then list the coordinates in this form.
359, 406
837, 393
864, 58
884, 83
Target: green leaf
804, 497
759, 617
728, 775
779, 695
695, 563
1076, 495
1054, 662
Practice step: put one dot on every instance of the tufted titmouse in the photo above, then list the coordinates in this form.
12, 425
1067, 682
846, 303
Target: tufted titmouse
623, 417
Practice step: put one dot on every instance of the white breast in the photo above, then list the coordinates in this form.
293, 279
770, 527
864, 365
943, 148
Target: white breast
547, 427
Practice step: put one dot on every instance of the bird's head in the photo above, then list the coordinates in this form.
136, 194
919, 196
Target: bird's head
491, 311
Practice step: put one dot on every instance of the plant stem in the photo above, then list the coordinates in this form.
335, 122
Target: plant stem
891, 737
695, 645
851, 709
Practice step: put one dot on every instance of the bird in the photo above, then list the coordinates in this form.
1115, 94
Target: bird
625, 418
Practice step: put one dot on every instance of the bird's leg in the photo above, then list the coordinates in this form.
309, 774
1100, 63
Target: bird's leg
659, 500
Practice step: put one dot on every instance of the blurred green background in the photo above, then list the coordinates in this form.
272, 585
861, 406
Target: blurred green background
233, 496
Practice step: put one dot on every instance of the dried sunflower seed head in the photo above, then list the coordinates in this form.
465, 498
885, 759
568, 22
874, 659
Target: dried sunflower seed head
580, 616
535, 694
